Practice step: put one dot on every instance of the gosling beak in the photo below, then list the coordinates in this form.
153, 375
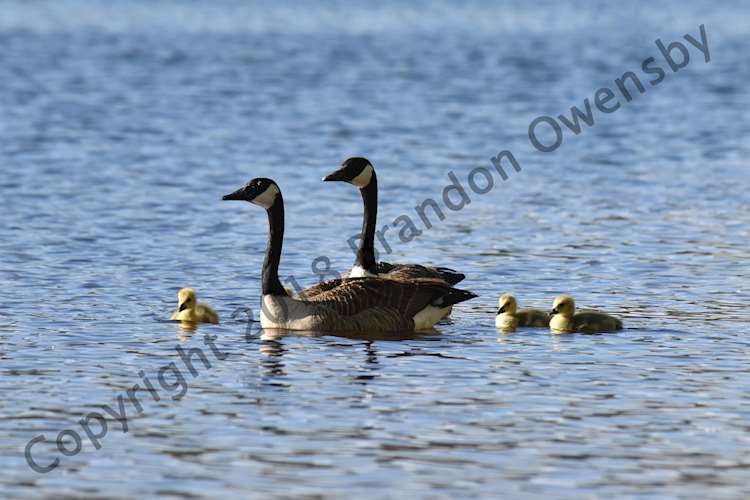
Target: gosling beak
552, 313
237, 195
183, 306
338, 175
501, 310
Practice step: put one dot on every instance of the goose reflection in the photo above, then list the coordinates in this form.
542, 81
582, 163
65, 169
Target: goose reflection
272, 361
278, 333
370, 366
371, 354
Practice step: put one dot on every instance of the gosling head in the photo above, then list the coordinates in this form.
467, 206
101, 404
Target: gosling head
186, 299
507, 304
563, 305
260, 191
357, 171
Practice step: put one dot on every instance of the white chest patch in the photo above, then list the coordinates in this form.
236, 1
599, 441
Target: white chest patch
361, 272
285, 312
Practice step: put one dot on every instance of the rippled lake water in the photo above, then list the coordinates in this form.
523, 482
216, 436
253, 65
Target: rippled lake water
122, 125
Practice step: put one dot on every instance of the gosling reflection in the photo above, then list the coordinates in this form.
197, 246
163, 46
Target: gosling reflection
187, 329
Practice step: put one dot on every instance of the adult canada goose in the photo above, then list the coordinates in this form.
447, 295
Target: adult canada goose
364, 305
564, 319
189, 309
509, 317
360, 173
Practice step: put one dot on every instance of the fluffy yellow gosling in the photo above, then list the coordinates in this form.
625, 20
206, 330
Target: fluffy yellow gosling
565, 319
509, 317
189, 309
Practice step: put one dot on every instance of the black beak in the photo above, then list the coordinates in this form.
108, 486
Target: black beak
501, 310
240, 194
338, 175
183, 306
552, 313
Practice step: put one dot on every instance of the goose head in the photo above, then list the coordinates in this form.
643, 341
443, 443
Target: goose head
186, 299
357, 171
563, 305
507, 304
260, 191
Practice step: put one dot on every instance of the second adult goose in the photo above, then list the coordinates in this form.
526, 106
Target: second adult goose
360, 173
364, 305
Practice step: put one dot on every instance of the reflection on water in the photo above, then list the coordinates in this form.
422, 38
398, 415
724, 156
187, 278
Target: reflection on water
123, 125
187, 328
272, 363
278, 333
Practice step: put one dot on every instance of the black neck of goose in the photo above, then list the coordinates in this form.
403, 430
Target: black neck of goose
270, 279
366, 252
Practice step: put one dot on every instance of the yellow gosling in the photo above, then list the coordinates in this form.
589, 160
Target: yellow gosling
509, 317
565, 319
189, 309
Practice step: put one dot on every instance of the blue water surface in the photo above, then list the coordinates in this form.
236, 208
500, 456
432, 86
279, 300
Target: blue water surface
123, 123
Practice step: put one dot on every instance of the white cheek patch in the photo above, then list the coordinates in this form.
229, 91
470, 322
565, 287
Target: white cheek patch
363, 179
267, 197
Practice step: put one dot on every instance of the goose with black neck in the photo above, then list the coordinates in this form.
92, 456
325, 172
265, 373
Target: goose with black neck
360, 173
357, 305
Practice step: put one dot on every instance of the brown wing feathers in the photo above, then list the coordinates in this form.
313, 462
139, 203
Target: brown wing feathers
356, 295
415, 271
